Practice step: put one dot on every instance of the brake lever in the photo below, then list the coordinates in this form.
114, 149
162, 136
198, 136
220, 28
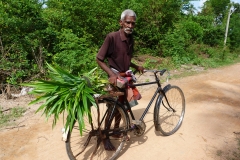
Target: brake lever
134, 72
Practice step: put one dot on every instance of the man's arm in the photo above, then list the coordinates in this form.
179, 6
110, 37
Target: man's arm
112, 76
139, 68
101, 56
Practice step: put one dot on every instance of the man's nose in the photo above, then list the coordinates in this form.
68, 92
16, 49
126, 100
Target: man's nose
130, 25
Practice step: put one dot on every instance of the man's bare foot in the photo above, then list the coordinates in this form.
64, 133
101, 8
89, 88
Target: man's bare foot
108, 145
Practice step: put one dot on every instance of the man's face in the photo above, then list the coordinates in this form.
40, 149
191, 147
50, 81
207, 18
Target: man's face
128, 24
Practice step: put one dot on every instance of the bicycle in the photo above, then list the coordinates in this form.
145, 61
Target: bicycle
169, 111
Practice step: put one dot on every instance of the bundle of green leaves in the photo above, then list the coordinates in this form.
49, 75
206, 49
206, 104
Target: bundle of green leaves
64, 92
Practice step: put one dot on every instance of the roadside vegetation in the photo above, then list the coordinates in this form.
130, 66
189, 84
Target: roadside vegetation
233, 154
9, 116
69, 33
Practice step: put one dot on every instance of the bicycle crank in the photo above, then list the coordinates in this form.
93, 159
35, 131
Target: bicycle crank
139, 128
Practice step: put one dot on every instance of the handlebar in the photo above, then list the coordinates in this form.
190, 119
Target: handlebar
155, 72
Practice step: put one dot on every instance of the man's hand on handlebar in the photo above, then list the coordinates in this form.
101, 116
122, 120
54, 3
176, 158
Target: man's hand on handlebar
140, 69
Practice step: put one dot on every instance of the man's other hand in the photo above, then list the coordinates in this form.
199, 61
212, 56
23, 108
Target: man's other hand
113, 79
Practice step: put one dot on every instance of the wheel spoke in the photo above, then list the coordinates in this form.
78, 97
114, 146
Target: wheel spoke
90, 145
170, 117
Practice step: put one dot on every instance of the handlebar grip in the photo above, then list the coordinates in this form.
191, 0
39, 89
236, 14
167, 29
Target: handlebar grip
162, 72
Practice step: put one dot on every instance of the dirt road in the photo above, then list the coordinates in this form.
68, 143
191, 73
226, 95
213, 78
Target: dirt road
210, 125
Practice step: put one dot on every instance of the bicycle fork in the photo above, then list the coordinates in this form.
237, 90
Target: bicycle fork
162, 91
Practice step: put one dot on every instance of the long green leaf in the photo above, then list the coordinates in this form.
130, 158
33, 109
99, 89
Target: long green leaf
80, 120
64, 92
39, 99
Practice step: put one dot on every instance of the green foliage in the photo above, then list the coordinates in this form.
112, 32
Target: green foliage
69, 33
174, 46
210, 57
213, 36
155, 18
216, 8
13, 71
234, 32
66, 92
205, 21
73, 53
94, 18
8, 116
166, 63
21, 29
149, 63
194, 30
219, 7
233, 154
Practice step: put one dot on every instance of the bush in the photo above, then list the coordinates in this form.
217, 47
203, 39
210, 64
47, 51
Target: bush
174, 46
73, 53
213, 36
194, 30
7, 117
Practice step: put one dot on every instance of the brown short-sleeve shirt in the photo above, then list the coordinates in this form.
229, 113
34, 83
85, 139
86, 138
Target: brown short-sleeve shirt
118, 49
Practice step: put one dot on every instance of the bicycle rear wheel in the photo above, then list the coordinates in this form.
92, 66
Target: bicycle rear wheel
82, 147
169, 119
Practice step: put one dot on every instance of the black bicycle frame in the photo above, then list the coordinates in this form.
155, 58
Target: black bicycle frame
159, 90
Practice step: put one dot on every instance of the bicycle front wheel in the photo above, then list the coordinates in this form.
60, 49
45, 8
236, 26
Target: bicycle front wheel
85, 146
169, 112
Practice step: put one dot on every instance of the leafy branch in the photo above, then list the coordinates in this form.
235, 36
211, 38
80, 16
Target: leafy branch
66, 92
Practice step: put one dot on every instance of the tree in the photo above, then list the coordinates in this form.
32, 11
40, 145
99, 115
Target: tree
21, 30
219, 6
234, 28
70, 32
154, 20
216, 7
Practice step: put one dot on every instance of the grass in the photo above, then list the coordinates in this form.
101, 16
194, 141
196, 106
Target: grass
211, 64
230, 155
8, 117
236, 154
150, 62
184, 74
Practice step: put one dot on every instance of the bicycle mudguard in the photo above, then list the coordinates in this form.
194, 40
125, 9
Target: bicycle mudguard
166, 87
157, 104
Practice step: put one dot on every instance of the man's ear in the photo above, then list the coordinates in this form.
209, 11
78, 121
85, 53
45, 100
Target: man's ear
121, 23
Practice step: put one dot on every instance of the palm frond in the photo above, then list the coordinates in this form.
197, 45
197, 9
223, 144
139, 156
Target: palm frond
66, 92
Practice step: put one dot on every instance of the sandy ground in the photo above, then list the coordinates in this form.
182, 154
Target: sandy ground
210, 126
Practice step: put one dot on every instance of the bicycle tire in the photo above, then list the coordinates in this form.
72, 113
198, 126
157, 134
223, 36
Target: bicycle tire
75, 147
166, 121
